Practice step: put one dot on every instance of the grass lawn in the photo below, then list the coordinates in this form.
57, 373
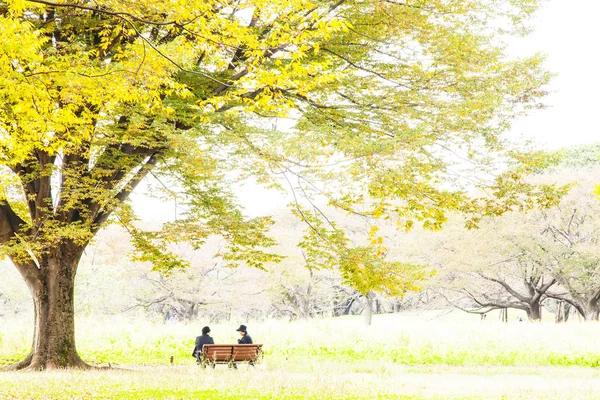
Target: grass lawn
400, 356
287, 381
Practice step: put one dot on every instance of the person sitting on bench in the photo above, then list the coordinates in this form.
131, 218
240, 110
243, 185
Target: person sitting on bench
201, 341
245, 339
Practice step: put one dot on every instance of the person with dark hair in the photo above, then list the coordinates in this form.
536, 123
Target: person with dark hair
201, 341
245, 339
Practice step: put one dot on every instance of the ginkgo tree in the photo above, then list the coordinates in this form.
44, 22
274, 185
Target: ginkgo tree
386, 102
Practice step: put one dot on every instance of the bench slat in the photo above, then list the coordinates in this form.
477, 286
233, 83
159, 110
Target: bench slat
225, 353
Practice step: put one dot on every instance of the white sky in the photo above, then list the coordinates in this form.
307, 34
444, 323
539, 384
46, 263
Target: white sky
567, 31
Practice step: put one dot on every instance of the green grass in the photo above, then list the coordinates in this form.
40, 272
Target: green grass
332, 381
403, 340
400, 356
187, 382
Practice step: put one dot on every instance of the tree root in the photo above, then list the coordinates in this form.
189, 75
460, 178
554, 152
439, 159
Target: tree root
50, 366
30, 363
19, 365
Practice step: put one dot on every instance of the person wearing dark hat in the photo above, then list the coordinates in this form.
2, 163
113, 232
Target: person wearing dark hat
201, 341
245, 339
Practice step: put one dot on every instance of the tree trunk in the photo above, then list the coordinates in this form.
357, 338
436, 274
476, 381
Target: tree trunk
504, 314
534, 313
348, 306
592, 311
368, 308
566, 311
54, 331
308, 299
562, 312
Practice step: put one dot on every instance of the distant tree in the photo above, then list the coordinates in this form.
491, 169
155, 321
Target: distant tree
206, 291
570, 235
95, 96
309, 295
580, 156
498, 266
368, 274
519, 260
575, 243
526, 295
562, 310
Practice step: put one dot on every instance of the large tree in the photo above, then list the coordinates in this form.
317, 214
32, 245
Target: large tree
524, 260
386, 103
497, 266
572, 236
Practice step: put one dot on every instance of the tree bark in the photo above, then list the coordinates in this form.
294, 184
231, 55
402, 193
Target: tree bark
592, 311
54, 332
534, 312
534, 309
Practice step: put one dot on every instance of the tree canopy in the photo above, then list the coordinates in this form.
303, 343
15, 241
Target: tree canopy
389, 106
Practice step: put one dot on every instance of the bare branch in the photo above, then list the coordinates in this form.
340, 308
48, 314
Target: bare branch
506, 286
120, 14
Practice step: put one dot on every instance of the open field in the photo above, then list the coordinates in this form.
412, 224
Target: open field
328, 381
400, 356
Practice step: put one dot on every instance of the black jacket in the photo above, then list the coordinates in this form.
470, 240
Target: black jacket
246, 339
201, 341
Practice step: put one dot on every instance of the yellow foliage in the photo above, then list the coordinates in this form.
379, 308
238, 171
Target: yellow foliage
95, 96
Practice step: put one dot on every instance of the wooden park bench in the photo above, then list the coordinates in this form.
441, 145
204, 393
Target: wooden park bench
230, 354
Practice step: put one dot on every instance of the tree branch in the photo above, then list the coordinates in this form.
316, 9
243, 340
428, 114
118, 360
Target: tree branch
120, 197
10, 223
10, 226
120, 14
506, 286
